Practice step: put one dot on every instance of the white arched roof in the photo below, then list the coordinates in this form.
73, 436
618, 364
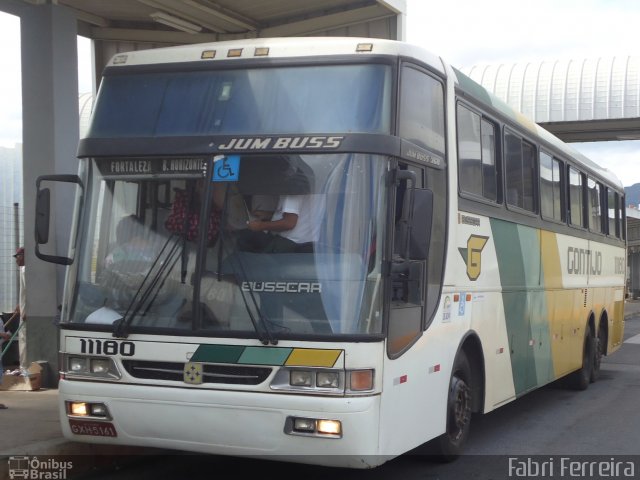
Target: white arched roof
566, 90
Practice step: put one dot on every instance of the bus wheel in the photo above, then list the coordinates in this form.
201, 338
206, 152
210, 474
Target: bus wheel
451, 443
580, 379
598, 353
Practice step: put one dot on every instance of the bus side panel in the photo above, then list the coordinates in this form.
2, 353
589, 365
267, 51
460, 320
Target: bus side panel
477, 262
413, 405
566, 306
607, 270
525, 304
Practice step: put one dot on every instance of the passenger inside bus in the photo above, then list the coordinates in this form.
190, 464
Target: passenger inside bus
132, 250
239, 209
185, 213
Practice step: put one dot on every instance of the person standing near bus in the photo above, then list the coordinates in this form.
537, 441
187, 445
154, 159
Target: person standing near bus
4, 336
21, 308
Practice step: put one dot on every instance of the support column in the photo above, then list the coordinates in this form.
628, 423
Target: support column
50, 139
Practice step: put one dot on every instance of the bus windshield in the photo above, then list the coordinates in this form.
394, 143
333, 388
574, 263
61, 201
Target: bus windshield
343, 98
149, 259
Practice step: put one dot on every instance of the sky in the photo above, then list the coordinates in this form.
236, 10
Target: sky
471, 32
462, 32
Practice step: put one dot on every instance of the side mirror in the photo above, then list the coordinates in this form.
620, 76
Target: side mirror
43, 215
420, 224
413, 230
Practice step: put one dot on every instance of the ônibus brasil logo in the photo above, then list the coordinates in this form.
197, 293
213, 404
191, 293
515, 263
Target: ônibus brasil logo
37, 468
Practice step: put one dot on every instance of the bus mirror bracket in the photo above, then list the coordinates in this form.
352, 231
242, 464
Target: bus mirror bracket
43, 215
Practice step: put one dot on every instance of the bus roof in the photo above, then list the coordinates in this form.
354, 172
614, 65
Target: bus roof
277, 48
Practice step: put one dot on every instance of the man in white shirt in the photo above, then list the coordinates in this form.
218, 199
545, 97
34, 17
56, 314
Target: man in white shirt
296, 222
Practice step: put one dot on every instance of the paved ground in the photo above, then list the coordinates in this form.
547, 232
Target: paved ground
31, 426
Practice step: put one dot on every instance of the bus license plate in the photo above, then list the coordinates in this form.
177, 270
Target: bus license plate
96, 429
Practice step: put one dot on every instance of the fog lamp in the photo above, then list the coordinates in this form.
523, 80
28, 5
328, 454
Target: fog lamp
329, 427
98, 410
304, 425
80, 409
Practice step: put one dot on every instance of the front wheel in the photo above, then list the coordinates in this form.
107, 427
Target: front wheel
451, 443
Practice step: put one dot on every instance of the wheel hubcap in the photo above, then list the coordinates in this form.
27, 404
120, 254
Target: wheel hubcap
460, 408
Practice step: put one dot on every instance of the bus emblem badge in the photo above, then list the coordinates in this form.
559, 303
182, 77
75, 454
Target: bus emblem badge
193, 373
472, 255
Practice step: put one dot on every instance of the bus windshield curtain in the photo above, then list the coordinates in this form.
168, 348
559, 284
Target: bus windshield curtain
352, 190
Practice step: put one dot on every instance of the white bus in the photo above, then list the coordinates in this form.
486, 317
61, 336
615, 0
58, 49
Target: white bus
449, 256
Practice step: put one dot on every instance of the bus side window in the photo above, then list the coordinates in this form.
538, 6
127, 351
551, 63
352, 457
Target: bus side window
576, 198
477, 171
520, 172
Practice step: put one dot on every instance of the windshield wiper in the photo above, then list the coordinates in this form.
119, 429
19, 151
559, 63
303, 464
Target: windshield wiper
260, 325
120, 329
265, 335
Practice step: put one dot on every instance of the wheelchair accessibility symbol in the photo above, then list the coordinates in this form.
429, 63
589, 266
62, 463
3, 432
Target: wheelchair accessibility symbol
226, 169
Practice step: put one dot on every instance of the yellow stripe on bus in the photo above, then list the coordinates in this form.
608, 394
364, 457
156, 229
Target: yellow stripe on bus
310, 357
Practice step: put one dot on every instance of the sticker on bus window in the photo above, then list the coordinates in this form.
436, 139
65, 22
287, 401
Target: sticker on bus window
226, 169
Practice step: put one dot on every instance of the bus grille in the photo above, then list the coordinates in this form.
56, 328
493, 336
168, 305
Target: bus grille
221, 374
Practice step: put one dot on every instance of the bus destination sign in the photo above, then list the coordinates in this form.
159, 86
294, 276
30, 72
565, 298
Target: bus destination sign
155, 166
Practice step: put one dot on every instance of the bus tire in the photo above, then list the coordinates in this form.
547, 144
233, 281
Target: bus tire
580, 379
450, 444
598, 353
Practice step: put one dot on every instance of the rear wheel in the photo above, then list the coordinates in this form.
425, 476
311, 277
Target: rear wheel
598, 352
451, 443
580, 379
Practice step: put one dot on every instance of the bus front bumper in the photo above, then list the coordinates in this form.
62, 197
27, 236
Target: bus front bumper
248, 424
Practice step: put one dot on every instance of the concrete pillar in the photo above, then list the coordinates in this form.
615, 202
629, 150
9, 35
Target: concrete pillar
50, 139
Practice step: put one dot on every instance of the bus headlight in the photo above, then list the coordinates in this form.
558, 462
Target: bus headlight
324, 381
300, 378
94, 367
77, 364
99, 365
327, 380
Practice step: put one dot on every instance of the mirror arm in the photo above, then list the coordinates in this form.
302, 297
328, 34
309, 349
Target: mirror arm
407, 216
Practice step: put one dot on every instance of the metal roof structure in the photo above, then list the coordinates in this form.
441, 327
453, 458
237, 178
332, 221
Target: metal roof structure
195, 21
577, 100
117, 26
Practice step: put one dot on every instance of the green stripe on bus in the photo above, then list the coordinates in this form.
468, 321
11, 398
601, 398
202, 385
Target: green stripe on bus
265, 355
525, 305
217, 353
